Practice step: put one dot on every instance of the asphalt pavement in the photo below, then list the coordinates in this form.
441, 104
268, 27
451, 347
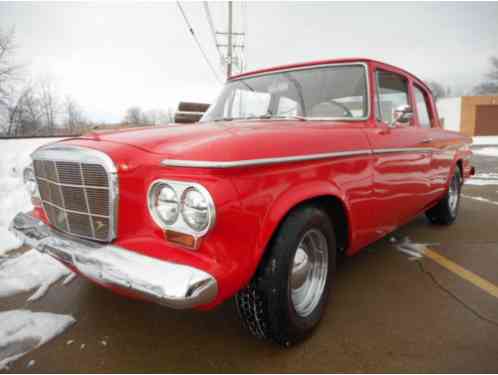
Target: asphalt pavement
389, 312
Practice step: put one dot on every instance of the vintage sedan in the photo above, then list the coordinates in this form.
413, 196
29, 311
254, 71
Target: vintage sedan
291, 168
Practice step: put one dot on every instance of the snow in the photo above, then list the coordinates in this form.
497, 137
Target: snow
487, 151
22, 331
414, 250
450, 110
485, 140
69, 279
483, 179
30, 271
14, 157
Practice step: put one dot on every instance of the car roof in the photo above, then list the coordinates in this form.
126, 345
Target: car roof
325, 62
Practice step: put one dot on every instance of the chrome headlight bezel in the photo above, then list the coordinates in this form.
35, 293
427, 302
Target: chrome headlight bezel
180, 224
154, 194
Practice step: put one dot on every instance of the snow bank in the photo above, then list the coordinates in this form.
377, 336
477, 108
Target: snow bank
483, 140
450, 110
30, 271
14, 157
488, 151
22, 331
483, 179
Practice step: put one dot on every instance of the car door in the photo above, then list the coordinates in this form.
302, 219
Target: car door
401, 160
435, 137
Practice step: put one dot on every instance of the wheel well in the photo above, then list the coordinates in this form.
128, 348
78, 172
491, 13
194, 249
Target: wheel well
336, 211
459, 164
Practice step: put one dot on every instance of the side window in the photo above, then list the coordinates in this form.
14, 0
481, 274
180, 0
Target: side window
392, 92
422, 108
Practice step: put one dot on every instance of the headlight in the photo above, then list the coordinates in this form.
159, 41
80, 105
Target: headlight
195, 209
30, 182
182, 207
163, 203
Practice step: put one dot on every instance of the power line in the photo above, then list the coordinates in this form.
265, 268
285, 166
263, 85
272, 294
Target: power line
190, 28
211, 27
244, 18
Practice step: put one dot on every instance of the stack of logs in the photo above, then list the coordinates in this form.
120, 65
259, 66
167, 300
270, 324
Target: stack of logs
189, 112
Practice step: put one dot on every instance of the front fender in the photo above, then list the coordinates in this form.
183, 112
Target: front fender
286, 201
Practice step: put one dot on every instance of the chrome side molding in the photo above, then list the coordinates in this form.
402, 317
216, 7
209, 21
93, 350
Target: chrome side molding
288, 159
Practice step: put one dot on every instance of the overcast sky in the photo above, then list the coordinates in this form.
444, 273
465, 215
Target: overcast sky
112, 56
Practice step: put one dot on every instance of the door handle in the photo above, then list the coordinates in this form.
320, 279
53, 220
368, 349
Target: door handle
427, 140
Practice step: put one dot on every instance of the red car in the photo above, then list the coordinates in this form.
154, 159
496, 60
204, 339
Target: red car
289, 169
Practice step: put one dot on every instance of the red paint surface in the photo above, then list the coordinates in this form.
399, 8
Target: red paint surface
379, 192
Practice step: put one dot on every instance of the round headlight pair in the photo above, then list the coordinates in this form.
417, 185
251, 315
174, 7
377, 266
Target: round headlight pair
169, 200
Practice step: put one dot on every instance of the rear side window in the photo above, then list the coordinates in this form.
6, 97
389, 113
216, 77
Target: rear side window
392, 92
424, 117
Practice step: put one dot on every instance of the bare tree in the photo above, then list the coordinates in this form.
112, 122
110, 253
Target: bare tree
24, 115
8, 70
486, 88
438, 90
49, 105
134, 116
490, 86
74, 119
493, 73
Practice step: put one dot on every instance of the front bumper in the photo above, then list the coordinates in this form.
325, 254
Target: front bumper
174, 285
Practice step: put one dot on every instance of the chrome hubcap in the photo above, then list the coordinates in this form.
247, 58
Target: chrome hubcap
453, 195
309, 272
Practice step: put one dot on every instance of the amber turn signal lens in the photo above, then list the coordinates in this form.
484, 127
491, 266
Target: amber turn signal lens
180, 238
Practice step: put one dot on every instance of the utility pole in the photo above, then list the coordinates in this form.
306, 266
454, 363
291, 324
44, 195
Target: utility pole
229, 51
234, 42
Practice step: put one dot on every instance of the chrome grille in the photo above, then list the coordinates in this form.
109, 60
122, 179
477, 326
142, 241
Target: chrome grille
79, 197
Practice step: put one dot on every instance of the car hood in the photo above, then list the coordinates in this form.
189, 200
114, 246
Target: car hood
227, 141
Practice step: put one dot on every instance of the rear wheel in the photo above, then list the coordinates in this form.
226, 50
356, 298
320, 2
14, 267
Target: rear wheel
286, 298
446, 211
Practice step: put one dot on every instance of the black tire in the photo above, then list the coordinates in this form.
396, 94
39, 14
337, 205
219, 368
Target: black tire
266, 305
445, 212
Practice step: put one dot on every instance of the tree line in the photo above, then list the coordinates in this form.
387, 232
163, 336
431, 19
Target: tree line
34, 107
488, 86
31, 108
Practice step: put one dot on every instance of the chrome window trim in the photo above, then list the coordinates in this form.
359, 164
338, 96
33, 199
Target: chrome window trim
69, 153
320, 66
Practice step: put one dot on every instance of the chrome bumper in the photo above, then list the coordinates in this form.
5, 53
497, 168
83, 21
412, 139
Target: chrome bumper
170, 284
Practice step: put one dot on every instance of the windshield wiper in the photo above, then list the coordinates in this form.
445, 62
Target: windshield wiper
224, 119
267, 116
292, 117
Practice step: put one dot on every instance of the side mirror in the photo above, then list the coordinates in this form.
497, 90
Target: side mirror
402, 115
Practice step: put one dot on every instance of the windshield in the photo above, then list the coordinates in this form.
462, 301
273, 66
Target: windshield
334, 91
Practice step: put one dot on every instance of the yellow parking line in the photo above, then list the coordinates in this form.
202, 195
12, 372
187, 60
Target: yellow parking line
462, 272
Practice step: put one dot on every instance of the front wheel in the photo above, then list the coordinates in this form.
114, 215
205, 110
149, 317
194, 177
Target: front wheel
445, 212
286, 298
